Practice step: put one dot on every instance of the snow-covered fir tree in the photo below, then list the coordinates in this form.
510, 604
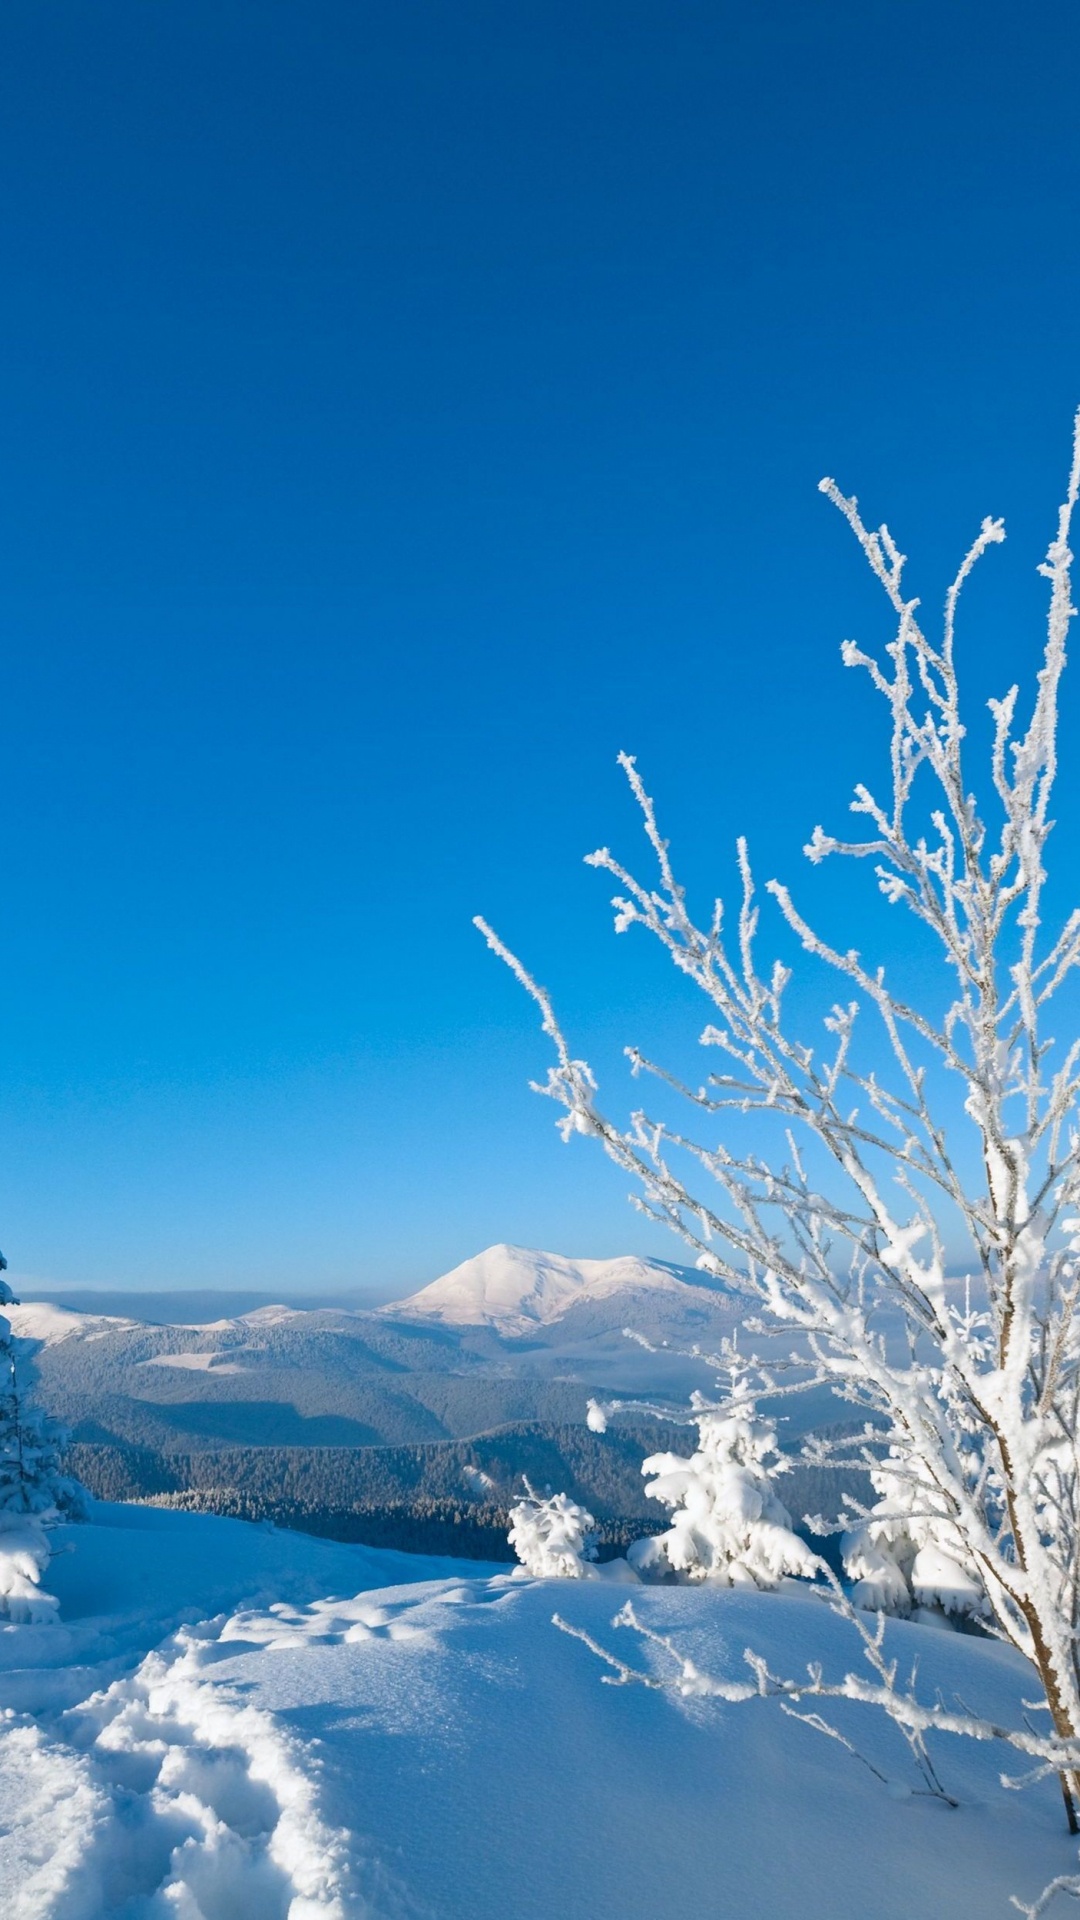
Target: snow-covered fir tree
962, 1115
906, 1553
552, 1536
34, 1493
728, 1524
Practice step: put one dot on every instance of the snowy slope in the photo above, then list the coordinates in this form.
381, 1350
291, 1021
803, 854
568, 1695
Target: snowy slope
356, 1748
136, 1574
515, 1290
124, 1772
40, 1320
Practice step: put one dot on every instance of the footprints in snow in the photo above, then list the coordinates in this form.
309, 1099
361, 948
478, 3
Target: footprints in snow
187, 1804
205, 1809
330, 1622
324, 1623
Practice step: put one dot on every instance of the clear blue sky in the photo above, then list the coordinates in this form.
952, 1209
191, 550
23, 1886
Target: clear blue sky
404, 408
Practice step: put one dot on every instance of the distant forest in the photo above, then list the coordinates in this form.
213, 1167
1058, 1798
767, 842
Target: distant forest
448, 1497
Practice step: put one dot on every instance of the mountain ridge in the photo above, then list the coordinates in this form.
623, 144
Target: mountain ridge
518, 1290
523, 1336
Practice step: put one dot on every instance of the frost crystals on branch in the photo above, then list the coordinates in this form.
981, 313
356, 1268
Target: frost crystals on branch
838, 1236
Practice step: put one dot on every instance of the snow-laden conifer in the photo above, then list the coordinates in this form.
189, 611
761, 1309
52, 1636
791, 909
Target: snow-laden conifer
728, 1525
966, 1120
552, 1536
34, 1493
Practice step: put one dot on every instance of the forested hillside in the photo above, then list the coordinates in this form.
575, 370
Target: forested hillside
444, 1497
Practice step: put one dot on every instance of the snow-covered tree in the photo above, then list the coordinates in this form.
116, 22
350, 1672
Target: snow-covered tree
960, 1118
905, 1554
728, 1523
34, 1494
552, 1536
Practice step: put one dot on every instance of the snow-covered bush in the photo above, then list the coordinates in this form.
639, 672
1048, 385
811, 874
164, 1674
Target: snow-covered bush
728, 1525
24, 1556
552, 1536
908, 1553
960, 1114
34, 1494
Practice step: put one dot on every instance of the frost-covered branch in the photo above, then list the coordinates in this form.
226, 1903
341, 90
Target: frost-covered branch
838, 1237
888, 1691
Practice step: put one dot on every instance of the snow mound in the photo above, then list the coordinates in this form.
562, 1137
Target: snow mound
514, 1289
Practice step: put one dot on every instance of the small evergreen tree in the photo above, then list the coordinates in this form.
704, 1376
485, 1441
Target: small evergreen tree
728, 1525
552, 1536
34, 1494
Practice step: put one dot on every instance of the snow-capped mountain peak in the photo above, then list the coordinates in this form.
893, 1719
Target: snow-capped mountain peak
516, 1289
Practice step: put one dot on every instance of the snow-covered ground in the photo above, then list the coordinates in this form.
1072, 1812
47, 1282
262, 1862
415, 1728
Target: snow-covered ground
233, 1723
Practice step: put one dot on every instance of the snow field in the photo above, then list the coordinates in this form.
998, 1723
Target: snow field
132, 1787
503, 1781
353, 1744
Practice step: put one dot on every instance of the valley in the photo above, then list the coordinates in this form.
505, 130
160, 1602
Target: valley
409, 1424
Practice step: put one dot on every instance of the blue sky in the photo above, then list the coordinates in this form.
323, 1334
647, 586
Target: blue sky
404, 408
